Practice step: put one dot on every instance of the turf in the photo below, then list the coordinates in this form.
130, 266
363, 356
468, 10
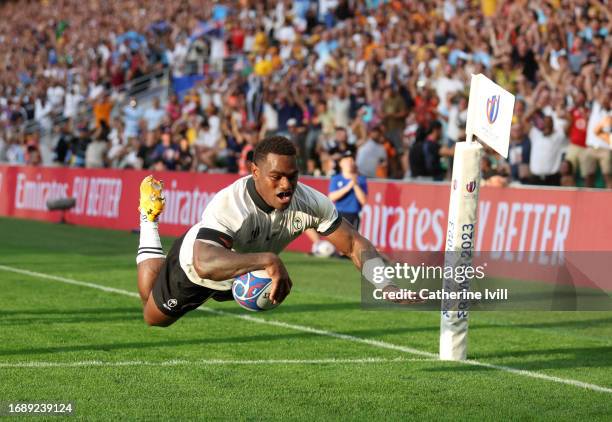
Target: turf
184, 371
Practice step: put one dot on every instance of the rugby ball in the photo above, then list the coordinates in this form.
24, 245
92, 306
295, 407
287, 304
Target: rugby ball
252, 291
323, 249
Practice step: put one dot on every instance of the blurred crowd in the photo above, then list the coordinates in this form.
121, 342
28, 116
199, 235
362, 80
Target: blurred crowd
383, 80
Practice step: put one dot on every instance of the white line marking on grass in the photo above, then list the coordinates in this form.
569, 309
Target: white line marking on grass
306, 329
303, 328
207, 362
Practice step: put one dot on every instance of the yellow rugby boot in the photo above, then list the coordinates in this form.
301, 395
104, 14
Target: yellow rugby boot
152, 200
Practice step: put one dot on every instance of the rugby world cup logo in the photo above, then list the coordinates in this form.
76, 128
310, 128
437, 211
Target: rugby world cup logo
492, 108
470, 187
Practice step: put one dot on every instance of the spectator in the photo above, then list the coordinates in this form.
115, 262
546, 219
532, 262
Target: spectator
15, 153
96, 153
567, 174
598, 150
348, 190
206, 146
576, 150
433, 152
297, 135
394, 113
72, 102
165, 154
76, 156
518, 154
127, 157
604, 128
547, 145
103, 106
173, 108
184, 160
147, 150
490, 176
337, 147
131, 118
371, 156
62, 146
319, 63
154, 115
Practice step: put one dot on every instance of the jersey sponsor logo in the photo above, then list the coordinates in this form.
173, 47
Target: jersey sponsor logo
493, 108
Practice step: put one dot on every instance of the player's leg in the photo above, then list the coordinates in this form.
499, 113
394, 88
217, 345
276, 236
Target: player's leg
147, 274
154, 317
150, 258
174, 294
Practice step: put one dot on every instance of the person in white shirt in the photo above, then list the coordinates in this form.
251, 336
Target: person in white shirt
42, 113
55, 94
340, 105
371, 154
599, 152
547, 147
72, 101
154, 115
243, 229
447, 84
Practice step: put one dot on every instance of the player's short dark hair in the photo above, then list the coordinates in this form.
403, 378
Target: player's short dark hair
273, 145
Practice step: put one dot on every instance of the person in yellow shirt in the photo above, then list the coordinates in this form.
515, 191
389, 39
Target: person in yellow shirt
261, 42
488, 7
263, 66
506, 75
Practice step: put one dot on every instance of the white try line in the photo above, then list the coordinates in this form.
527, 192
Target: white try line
303, 328
207, 362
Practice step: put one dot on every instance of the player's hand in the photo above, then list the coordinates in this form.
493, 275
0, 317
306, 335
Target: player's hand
281, 283
392, 288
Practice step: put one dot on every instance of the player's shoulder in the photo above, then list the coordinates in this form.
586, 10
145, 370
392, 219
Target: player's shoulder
230, 199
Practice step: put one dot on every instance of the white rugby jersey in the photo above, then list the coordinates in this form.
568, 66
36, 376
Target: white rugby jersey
239, 219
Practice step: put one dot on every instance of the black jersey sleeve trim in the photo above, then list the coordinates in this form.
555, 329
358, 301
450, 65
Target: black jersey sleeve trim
333, 227
216, 236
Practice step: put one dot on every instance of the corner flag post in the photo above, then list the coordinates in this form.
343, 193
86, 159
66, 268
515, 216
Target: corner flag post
489, 117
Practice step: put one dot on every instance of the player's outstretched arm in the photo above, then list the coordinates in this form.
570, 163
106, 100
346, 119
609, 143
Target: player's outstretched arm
217, 263
348, 241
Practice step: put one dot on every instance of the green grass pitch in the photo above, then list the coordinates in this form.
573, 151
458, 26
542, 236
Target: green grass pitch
325, 357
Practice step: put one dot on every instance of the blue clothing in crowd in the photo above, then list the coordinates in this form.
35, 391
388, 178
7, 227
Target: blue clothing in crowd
348, 203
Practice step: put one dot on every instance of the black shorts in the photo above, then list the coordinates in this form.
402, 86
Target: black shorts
174, 294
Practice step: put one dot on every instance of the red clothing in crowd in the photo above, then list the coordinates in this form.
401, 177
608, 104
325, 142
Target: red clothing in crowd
578, 126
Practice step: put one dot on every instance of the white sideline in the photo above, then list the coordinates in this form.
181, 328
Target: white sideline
303, 328
205, 362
